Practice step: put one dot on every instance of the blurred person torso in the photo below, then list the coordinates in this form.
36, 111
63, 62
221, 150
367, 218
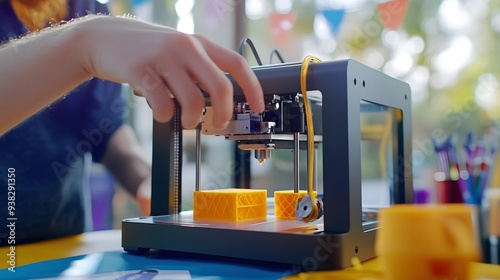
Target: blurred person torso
48, 150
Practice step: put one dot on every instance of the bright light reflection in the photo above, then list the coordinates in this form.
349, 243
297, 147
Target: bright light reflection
400, 65
283, 6
309, 46
186, 24
455, 57
103, 1
453, 16
256, 9
348, 5
391, 38
418, 80
486, 91
414, 45
375, 59
321, 28
495, 22
430, 25
328, 45
184, 7
286, 25
88, 265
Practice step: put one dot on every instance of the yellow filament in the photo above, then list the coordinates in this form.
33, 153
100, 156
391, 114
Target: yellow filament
383, 146
310, 135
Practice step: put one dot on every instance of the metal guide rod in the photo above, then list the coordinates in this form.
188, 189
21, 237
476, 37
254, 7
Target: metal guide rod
314, 168
198, 158
310, 153
177, 157
296, 169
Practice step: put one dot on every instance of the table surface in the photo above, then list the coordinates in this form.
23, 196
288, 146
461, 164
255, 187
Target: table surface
82, 244
110, 240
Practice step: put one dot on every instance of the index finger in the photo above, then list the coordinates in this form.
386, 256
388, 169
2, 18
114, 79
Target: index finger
234, 64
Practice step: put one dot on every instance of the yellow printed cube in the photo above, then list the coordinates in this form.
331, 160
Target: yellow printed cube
230, 204
285, 203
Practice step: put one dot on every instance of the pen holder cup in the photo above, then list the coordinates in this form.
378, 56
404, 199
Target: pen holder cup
448, 191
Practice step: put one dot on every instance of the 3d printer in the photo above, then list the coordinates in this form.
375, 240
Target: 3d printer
362, 120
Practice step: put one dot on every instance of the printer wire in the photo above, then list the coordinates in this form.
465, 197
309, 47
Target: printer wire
310, 138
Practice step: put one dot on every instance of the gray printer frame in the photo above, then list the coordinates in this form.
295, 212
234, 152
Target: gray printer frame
343, 84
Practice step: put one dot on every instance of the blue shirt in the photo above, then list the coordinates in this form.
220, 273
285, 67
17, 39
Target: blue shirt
46, 152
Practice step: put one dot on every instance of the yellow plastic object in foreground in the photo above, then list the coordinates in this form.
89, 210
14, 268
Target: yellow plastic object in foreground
427, 241
372, 270
285, 203
230, 204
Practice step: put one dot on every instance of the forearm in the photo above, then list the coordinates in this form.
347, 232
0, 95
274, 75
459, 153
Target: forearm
125, 161
34, 75
157, 61
130, 171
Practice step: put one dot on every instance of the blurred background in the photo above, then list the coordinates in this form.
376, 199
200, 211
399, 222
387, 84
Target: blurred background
447, 51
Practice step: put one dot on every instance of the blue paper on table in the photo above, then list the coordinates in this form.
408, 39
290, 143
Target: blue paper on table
121, 265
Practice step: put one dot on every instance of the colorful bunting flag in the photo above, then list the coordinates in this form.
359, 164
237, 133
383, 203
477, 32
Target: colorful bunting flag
138, 2
281, 25
393, 12
334, 17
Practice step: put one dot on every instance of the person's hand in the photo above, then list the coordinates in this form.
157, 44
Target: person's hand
159, 62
